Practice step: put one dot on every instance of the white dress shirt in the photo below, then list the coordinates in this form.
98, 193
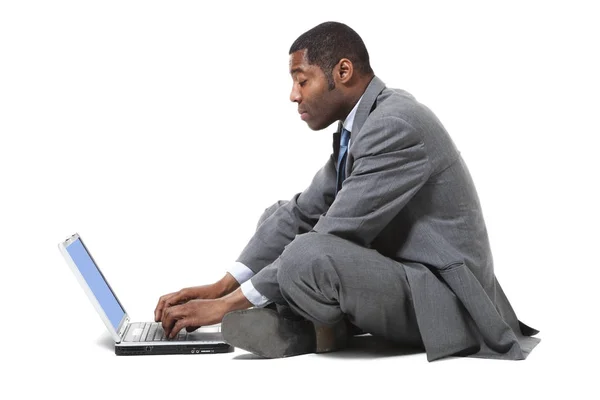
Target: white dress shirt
242, 274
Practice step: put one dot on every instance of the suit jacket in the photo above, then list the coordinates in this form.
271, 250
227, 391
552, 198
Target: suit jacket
409, 195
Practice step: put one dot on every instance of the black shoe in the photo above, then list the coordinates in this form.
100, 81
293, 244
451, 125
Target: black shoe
264, 332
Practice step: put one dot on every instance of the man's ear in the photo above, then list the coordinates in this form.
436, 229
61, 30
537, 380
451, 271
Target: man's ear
344, 70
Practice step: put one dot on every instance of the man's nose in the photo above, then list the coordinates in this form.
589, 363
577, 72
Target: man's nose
295, 95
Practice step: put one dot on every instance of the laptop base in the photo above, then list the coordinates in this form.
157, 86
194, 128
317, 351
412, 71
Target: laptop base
173, 349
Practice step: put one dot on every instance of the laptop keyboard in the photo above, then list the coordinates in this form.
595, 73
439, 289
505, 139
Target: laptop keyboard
150, 332
154, 332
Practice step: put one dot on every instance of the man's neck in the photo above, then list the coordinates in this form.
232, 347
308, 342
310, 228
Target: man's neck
349, 121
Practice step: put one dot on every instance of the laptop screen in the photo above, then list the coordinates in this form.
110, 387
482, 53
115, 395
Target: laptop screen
96, 282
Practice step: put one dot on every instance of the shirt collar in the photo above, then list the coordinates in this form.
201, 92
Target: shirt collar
349, 121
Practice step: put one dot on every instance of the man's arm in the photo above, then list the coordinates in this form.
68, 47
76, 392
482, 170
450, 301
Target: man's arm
390, 166
189, 308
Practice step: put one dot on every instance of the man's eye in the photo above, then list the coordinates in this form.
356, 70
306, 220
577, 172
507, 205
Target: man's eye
302, 83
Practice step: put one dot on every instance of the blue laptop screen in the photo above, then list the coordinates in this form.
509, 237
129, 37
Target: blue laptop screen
96, 282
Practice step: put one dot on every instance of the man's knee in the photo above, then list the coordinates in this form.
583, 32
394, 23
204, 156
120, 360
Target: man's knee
308, 280
304, 260
270, 211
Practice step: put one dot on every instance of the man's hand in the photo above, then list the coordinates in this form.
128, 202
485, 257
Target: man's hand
225, 286
200, 312
183, 296
193, 314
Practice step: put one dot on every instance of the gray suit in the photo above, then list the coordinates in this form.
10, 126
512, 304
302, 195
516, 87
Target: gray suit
402, 249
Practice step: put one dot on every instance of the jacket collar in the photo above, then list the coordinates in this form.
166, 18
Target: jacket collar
365, 106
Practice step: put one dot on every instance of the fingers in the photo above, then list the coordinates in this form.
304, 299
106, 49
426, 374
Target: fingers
168, 300
169, 318
174, 319
158, 311
179, 325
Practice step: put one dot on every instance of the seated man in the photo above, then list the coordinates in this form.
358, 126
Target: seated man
389, 237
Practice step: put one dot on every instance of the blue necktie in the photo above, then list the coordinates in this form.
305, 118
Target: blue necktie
341, 163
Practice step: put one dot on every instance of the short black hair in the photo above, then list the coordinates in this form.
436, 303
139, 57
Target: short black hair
326, 44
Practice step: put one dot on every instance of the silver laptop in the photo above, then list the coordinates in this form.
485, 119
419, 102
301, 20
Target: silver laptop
133, 338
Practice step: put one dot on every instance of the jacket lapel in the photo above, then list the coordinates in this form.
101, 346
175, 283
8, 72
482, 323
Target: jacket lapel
373, 90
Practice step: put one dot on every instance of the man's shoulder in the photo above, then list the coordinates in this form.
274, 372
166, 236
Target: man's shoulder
396, 102
392, 114
400, 104
395, 94
397, 111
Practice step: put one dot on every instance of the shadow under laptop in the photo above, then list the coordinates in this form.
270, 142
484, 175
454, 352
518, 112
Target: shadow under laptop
105, 341
363, 346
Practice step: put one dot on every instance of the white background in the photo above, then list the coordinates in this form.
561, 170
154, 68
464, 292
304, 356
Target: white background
161, 130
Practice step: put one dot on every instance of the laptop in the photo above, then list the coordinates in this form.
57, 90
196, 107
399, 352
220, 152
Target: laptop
134, 338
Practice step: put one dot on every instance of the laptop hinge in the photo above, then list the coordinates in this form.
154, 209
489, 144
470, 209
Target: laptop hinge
124, 330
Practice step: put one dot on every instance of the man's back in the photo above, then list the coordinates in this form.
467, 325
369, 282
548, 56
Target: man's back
443, 223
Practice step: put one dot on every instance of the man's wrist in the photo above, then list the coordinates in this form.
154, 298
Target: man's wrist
226, 285
235, 301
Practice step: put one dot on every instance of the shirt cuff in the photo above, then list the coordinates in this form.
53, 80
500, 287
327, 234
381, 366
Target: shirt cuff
254, 295
240, 272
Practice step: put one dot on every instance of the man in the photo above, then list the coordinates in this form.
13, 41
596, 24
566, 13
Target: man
388, 238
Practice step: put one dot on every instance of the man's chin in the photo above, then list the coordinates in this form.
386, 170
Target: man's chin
318, 126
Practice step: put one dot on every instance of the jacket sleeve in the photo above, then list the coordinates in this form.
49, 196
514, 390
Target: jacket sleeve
390, 165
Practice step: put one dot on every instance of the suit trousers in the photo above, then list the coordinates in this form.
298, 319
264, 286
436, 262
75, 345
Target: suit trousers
325, 279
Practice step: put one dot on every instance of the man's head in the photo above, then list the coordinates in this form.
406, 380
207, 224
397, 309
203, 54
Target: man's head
330, 69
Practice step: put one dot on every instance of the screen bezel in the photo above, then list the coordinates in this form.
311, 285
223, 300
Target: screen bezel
116, 334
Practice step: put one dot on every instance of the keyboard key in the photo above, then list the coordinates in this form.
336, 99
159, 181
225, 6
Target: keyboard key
144, 332
136, 333
151, 332
160, 334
